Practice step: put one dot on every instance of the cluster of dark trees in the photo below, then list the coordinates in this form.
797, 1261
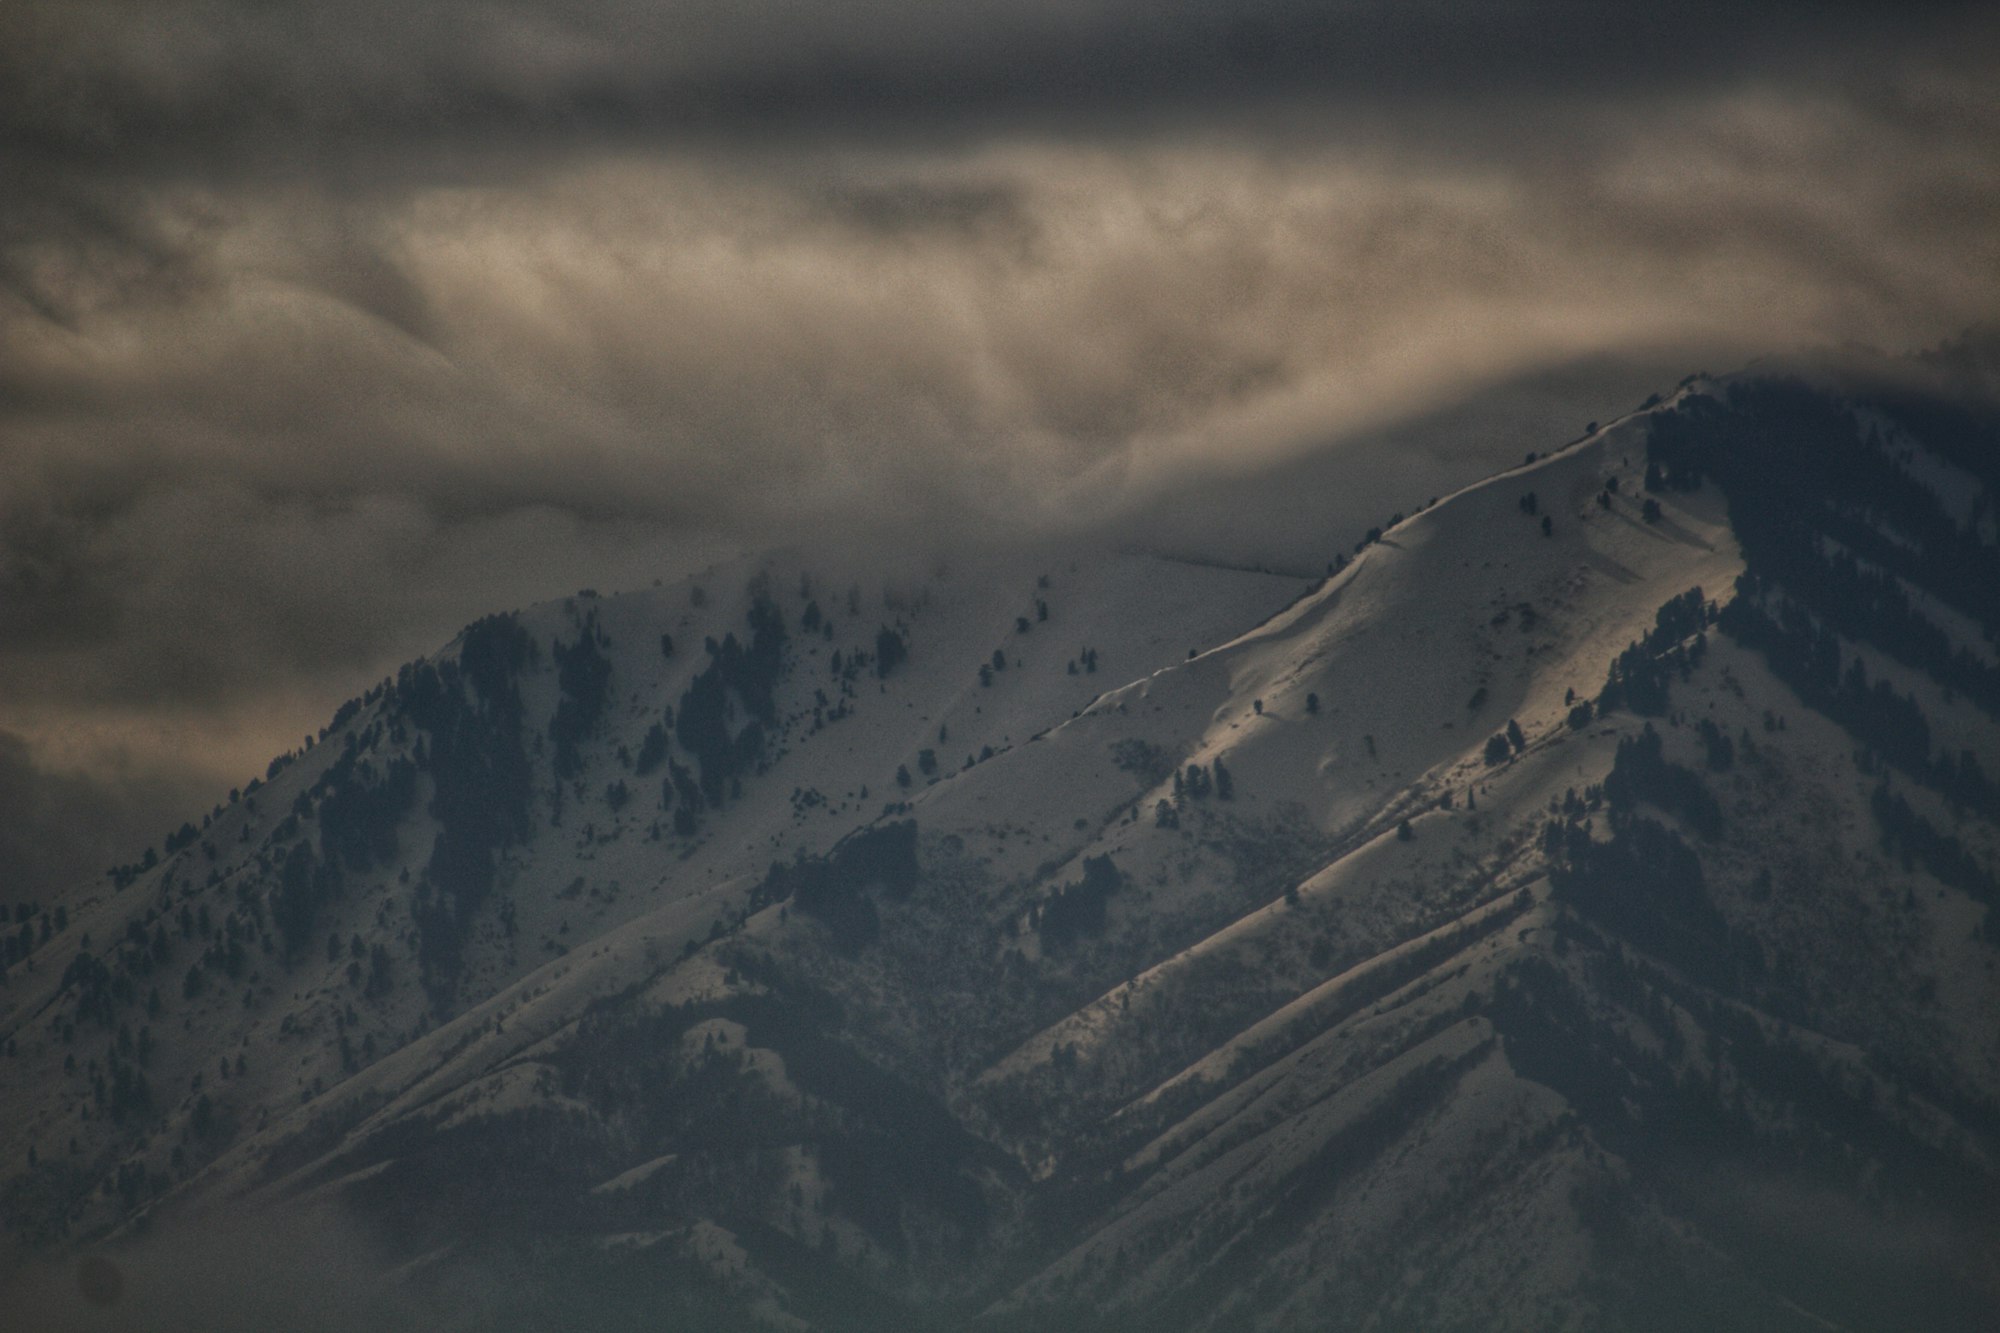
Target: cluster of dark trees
583, 673
1720, 749
100, 989
1078, 909
1869, 605
471, 743
471, 719
32, 926
1197, 782
834, 888
361, 808
1912, 838
1806, 654
1642, 772
1646, 884
1770, 1094
1641, 677
121, 876
1824, 506
1504, 745
896, 1161
1827, 512
91, 986
891, 651
1834, 530
703, 719
847, 667
304, 883
680, 793
1373, 535
653, 748
225, 949
1766, 1092
121, 1091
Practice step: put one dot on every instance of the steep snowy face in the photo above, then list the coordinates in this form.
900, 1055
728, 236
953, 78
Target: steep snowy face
1577, 901
555, 780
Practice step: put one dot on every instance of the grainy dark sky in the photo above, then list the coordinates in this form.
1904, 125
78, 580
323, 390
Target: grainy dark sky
324, 327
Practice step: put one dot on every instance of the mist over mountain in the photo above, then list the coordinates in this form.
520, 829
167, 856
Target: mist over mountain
1566, 904
325, 330
1009, 666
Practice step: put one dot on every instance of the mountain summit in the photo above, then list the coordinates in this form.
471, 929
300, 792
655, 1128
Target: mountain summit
1576, 910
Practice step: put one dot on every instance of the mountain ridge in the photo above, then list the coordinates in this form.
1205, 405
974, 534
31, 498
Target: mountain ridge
1242, 974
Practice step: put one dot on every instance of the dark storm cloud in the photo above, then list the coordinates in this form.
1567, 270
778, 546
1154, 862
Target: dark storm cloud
118, 77
324, 328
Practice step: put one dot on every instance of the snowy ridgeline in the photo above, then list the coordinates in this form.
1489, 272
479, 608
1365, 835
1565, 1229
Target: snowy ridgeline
1594, 867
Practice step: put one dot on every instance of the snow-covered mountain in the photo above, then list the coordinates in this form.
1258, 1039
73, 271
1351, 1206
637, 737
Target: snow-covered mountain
1573, 911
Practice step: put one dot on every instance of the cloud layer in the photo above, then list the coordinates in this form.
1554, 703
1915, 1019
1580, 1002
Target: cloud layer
325, 328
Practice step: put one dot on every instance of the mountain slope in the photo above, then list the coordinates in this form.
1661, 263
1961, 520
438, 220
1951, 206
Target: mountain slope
1573, 912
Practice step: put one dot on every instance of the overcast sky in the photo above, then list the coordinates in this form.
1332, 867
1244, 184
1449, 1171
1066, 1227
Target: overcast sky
325, 327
